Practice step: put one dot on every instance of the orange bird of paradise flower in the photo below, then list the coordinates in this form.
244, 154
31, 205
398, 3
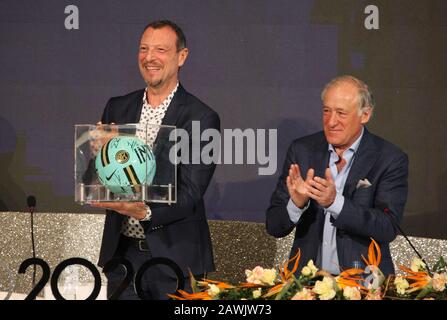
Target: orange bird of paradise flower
285, 274
202, 295
373, 259
420, 278
351, 277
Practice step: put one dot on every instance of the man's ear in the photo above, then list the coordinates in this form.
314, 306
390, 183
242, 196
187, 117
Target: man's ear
183, 54
366, 115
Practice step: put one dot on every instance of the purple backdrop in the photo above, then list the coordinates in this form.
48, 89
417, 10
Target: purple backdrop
259, 64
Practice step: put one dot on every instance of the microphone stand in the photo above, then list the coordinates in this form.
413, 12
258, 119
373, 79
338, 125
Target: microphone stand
31, 209
388, 212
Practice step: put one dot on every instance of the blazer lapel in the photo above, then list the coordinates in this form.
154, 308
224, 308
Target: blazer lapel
365, 157
319, 162
175, 108
320, 159
172, 113
135, 109
171, 118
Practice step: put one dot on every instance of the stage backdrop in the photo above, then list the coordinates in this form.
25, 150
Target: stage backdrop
259, 64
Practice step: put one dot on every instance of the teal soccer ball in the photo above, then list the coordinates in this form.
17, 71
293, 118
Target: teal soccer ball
124, 164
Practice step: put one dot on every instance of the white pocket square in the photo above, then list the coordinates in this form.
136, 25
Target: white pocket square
363, 184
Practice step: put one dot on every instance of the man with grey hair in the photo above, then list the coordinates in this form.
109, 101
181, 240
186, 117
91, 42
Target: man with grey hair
351, 176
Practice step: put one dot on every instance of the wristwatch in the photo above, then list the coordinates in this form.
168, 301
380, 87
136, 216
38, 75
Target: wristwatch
148, 214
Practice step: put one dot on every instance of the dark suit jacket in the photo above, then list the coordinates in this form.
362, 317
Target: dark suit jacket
179, 231
377, 160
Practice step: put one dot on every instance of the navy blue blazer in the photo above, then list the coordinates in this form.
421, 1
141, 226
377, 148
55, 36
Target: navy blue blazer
386, 168
179, 231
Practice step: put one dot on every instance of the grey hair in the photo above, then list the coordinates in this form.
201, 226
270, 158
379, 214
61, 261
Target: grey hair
365, 95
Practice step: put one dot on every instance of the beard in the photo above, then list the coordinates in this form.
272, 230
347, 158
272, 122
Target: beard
154, 83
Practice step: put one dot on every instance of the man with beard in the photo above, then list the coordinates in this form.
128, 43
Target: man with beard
139, 231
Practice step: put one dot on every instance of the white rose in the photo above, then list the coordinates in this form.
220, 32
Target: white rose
213, 290
417, 265
269, 277
439, 281
312, 267
304, 294
325, 289
401, 285
328, 295
306, 271
310, 270
255, 275
257, 293
352, 293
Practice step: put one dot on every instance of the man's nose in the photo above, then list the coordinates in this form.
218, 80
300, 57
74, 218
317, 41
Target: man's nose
148, 55
333, 119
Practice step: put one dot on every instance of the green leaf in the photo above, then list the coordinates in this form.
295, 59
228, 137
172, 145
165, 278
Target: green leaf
440, 265
284, 290
298, 283
424, 292
193, 280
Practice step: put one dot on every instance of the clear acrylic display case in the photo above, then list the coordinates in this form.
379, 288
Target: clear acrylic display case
129, 162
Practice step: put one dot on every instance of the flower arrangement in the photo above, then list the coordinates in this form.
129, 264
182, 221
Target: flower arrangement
421, 283
418, 282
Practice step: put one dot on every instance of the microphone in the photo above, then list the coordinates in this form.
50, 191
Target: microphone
384, 207
31, 203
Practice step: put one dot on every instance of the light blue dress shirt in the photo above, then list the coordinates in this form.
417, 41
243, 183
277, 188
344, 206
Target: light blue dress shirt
329, 256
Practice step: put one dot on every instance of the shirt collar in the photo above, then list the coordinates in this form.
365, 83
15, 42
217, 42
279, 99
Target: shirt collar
354, 147
165, 102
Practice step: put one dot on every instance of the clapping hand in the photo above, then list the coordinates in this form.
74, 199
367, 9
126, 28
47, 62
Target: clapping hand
323, 190
297, 187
